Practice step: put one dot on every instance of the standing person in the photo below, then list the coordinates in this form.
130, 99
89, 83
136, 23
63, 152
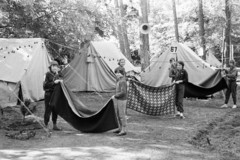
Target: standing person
51, 79
231, 76
180, 79
64, 62
173, 69
121, 68
121, 101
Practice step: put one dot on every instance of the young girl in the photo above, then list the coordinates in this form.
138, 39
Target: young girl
52, 78
180, 79
173, 69
121, 64
121, 100
231, 75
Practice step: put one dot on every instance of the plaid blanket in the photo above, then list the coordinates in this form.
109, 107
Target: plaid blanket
155, 101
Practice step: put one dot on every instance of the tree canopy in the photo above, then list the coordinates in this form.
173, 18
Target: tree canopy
72, 23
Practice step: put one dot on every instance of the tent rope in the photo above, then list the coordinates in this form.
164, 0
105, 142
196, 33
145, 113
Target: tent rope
79, 75
62, 45
44, 128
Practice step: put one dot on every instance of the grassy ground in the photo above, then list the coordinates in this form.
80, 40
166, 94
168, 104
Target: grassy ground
207, 133
221, 134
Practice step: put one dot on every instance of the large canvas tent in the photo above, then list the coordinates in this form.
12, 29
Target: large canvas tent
94, 70
23, 64
157, 73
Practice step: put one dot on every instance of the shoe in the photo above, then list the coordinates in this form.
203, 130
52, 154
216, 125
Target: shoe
182, 116
224, 106
234, 106
57, 128
121, 134
177, 114
117, 131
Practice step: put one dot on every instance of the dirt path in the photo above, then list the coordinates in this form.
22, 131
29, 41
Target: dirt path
148, 138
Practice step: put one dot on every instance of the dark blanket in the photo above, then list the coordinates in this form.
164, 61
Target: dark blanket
208, 86
72, 110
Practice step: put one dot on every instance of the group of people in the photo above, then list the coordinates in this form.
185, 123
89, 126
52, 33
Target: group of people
177, 73
53, 77
180, 77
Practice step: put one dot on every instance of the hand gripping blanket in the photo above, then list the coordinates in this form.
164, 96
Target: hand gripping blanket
71, 109
155, 101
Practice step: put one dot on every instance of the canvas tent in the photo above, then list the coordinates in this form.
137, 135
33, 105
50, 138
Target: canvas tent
157, 73
212, 60
94, 70
23, 62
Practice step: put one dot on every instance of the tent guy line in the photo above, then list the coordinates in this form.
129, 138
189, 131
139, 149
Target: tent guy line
62, 45
81, 51
44, 128
78, 74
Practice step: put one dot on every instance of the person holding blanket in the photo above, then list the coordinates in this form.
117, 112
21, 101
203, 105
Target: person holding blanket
121, 101
231, 76
51, 79
180, 79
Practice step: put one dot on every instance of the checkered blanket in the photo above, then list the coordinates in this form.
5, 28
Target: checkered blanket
155, 101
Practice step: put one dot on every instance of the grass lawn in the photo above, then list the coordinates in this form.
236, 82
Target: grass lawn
207, 133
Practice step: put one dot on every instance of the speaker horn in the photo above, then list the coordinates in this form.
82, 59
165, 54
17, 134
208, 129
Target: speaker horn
145, 28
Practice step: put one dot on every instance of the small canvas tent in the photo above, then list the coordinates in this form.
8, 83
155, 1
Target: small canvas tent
23, 62
157, 73
94, 70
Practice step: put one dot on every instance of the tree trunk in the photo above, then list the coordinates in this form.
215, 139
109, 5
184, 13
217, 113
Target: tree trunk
175, 20
124, 32
201, 27
144, 38
228, 30
119, 30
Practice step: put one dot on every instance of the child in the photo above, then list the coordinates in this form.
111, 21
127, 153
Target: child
64, 62
180, 79
232, 84
121, 64
121, 101
51, 79
173, 69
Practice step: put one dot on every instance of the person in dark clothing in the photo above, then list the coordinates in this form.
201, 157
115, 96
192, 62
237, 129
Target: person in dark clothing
180, 79
51, 79
121, 101
172, 69
231, 76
